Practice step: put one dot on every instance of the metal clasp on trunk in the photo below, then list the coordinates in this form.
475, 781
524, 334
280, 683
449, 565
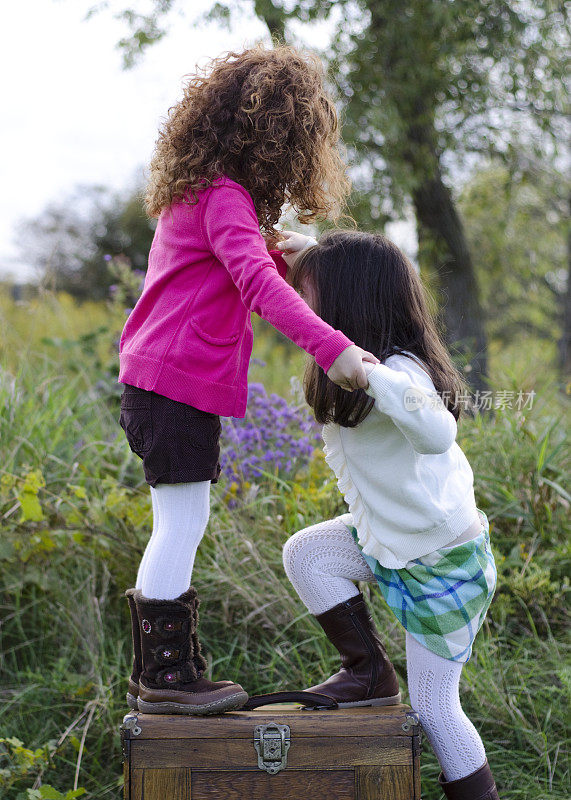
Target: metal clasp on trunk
129, 727
131, 723
272, 742
412, 721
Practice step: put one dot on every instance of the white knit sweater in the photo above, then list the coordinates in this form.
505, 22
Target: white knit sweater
408, 485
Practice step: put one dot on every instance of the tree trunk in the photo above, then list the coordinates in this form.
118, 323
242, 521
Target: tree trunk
437, 216
461, 309
273, 17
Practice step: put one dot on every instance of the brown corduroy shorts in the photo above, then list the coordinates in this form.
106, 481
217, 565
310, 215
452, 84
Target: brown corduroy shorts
176, 442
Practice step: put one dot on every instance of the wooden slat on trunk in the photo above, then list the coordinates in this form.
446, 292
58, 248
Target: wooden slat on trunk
382, 721
304, 753
333, 785
387, 782
161, 784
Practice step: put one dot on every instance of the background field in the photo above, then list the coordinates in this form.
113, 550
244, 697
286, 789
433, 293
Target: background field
75, 517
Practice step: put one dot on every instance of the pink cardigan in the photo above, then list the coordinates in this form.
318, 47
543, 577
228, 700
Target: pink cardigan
189, 336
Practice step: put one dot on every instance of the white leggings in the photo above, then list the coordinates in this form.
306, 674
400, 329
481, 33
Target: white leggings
322, 562
180, 516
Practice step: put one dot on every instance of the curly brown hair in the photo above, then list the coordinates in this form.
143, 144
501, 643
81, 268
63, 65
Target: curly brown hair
263, 118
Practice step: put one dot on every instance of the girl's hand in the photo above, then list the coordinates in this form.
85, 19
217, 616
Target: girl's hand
293, 244
368, 367
348, 372
272, 239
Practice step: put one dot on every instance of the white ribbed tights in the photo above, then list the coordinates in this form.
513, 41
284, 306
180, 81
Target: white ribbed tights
322, 562
180, 516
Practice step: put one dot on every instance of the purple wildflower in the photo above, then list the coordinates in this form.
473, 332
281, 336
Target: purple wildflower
274, 437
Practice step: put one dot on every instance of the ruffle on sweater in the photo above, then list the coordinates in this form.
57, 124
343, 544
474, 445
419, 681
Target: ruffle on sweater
405, 548
335, 457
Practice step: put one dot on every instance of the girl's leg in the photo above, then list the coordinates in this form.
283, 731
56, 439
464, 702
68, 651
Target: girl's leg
171, 680
433, 684
322, 562
180, 514
143, 564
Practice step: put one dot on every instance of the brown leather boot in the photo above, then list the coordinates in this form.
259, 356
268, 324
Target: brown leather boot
479, 785
133, 687
366, 677
171, 680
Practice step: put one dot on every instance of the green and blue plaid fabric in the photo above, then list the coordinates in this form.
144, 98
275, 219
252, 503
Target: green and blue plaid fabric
442, 598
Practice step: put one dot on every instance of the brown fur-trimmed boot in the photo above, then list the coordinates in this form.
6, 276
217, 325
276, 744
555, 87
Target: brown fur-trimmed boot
171, 680
366, 677
479, 785
133, 687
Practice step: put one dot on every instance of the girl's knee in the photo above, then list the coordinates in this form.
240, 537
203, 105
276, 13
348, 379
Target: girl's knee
293, 549
304, 545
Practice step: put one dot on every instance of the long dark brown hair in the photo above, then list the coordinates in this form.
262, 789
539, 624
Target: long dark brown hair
264, 118
366, 287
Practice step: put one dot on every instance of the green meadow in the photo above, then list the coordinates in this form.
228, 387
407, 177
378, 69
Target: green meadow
75, 516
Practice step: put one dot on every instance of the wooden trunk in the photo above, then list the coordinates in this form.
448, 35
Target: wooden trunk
345, 754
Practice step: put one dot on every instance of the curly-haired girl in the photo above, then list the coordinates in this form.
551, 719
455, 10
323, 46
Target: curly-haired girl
254, 132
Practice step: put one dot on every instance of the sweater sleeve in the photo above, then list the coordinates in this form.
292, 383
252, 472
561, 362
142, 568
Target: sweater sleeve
278, 259
231, 230
406, 393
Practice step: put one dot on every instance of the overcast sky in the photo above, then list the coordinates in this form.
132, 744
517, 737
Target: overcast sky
71, 115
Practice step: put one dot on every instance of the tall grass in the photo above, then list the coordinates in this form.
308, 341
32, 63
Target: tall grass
75, 516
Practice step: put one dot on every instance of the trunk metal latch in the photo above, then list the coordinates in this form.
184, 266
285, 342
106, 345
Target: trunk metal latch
272, 741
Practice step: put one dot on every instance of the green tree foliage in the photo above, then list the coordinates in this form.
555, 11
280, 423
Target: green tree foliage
429, 87
69, 241
516, 222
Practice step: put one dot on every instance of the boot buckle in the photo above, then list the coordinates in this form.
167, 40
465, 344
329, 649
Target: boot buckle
168, 677
166, 655
169, 628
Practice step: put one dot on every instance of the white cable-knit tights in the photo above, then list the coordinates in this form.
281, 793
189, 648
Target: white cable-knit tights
180, 516
322, 562
433, 684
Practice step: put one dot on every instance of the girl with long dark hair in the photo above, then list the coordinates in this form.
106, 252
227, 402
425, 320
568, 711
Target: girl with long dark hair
412, 525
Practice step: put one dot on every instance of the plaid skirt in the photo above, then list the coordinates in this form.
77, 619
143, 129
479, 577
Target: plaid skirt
442, 598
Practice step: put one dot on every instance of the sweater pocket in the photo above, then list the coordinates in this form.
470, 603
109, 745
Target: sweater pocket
217, 310
215, 339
